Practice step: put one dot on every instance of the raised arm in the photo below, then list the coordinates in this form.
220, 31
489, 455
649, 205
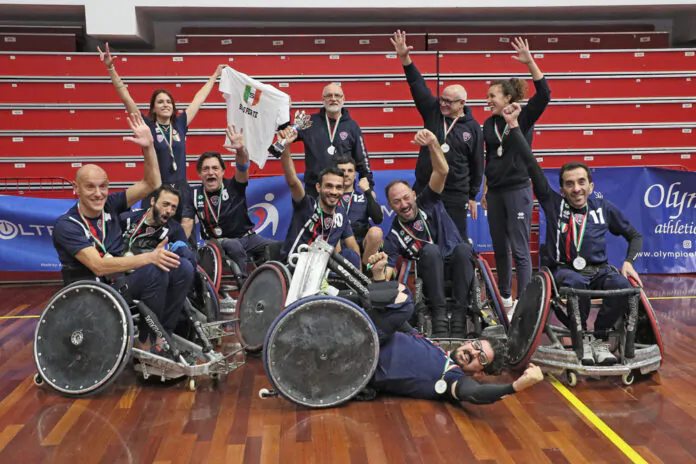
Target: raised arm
362, 162
374, 211
235, 142
202, 94
524, 56
539, 101
440, 167
541, 186
296, 188
422, 96
120, 87
151, 173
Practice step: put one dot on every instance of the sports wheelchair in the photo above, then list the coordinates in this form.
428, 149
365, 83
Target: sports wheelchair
84, 339
485, 307
635, 336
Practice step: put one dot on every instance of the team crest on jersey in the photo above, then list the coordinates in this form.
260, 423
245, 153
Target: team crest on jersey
328, 223
418, 225
343, 135
466, 136
150, 230
215, 200
346, 197
579, 218
252, 95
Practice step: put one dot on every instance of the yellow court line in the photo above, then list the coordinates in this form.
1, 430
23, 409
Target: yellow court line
19, 317
597, 422
685, 297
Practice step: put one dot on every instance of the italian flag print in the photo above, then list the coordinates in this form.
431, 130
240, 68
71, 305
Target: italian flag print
251, 95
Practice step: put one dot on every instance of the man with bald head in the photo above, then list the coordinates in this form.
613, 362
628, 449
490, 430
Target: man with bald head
89, 242
332, 135
459, 134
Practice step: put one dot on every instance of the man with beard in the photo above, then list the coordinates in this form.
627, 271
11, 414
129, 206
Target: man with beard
576, 249
220, 204
424, 231
332, 134
144, 229
361, 206
321, 218
413, 366
459, 135
89, 242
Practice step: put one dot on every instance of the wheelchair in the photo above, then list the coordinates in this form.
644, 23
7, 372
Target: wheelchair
84, 340
484, 310
635, 336
224, 272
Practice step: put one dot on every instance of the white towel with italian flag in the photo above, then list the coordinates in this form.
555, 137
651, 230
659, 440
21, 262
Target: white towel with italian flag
257, 107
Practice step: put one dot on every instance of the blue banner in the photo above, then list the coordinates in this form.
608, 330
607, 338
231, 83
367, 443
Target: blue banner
660, 203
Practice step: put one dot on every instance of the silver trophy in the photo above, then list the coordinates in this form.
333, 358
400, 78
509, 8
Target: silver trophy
302, 121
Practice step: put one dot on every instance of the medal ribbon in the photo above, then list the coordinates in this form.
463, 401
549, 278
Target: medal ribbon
168, 142
573, 231
93, 231
449, 365
332, 133
348, 205
412, 235
131, 238
497, 134
446, 129
209, 205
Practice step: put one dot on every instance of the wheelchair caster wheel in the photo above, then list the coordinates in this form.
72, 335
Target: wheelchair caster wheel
38, 380
628, 378
572, 378
266, 393
192, 384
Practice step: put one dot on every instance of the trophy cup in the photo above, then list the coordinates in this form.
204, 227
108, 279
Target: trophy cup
302, 121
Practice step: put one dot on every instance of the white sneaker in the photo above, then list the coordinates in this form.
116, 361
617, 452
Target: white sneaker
587, 357
507, 302
601, 353
228, 305
509, 307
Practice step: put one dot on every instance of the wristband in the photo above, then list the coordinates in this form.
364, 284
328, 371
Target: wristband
368, 190
242, 167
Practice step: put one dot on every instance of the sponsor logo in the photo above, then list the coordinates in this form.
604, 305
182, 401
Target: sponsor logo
674, 198
10, 230
265, 214
520, 215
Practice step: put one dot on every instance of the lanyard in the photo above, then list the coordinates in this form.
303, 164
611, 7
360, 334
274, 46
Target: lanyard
321, 221
332, 133
208, 203
497, 134
93, 231
577, 241
168, 142
448, 129
449, 364
132, 237
412, 235
347, 206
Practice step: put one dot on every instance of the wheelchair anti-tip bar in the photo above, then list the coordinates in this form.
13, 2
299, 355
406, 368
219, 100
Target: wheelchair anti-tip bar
568, 291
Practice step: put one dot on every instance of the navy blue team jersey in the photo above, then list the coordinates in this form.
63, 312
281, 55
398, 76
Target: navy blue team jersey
139, 237
71, 234
307, 225
234, 217
433, 224
164, 154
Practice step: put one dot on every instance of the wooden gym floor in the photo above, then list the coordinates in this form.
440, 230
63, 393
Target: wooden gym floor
653, 420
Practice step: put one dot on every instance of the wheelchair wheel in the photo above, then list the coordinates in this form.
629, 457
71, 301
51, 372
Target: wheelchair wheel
647, 327
529, 320
321, 351
490, 296
261, 299
206, 300
83, 339
210, 259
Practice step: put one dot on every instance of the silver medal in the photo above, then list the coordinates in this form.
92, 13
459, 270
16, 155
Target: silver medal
173, 165
108, 255
331, 150
218, 232
440, 387
445, 148
579, 263
500, 150
128, 254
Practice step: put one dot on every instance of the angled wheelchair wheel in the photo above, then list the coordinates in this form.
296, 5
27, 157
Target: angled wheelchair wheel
527, 325
210, 259
261, 299
647, 327
321, 351
282, 268
490, 296
83, 339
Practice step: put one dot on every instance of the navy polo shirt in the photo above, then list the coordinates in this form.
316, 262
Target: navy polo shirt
443, 231
164, 154
234, 217
71, 234
335, 226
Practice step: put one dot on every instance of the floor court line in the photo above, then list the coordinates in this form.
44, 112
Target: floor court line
598, 423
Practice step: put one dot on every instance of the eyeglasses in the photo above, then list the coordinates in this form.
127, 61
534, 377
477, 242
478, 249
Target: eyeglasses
483, 359
331, 96
445, 101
